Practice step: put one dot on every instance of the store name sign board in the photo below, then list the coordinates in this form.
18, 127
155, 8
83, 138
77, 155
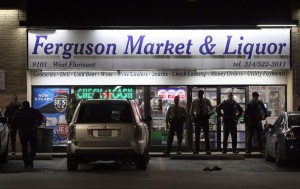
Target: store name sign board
159, 49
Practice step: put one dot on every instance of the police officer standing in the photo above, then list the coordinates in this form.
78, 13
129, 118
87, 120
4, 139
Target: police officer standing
175, 119
255, 112
27, 120
200, 112
10, 112
71, 107
230, 110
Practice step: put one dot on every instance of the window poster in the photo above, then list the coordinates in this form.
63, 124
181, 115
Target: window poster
52, 103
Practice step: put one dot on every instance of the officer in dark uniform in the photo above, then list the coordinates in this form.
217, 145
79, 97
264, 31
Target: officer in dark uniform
10, 112
176, 117
231, 113
200, 112
27, 120
255, 112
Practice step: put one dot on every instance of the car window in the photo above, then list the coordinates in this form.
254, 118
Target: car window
105, 113
294, 120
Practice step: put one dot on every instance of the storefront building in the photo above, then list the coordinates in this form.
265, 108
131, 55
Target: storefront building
152, 65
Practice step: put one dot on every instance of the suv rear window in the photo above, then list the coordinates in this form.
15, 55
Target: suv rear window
105, 112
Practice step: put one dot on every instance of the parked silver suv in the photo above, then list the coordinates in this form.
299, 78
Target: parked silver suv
108, 130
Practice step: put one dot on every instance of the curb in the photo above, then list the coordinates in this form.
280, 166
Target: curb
173, 156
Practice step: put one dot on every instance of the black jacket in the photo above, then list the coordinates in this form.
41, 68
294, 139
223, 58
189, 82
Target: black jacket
231, 110
27, 119
255, 111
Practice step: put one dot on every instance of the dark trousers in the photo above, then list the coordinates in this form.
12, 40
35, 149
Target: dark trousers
13, 136
175, 127
257, 128
28, 139
230, 127
204, 124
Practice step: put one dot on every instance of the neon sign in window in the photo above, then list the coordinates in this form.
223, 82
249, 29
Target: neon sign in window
106, 92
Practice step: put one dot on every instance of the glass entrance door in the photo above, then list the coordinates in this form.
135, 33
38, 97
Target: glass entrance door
210, 94
239, 95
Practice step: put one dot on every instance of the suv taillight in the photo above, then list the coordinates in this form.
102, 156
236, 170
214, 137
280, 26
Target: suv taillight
72, 132
138, 132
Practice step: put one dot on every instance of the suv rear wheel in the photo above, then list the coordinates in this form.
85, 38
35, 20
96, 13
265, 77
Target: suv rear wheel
279, 160
143, 160
266, 153
72, 164
4, 156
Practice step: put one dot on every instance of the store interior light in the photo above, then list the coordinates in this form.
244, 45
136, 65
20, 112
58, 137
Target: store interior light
275, 25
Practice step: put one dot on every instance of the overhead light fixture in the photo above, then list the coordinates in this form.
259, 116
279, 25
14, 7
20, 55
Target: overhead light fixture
291, 23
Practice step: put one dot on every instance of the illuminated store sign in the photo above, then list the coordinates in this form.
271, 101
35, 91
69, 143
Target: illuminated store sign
159, 49
111, 93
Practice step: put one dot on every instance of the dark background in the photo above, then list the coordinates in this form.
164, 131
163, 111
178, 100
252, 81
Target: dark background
156, 13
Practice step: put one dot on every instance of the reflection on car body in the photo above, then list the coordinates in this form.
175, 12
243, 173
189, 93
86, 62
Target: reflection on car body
282, 139
4, 139
108, 130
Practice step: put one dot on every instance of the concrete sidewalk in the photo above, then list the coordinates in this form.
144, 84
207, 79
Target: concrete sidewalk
183, 156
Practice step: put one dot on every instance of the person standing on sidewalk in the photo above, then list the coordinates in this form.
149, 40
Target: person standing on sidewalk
27, 120
231, 111
200, 112
255, 112
71, 107
175, 119
10, 112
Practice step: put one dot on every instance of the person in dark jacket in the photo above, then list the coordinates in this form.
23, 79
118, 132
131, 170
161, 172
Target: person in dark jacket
231, 111
71, 107
10, 112
255, 112
27, 120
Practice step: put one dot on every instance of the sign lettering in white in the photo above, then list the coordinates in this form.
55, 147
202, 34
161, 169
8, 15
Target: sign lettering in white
159, 49
251, 77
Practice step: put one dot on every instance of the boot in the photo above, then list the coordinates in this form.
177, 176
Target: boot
179, 149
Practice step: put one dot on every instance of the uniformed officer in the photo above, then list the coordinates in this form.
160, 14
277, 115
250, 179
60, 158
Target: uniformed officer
200, 112
232, 111
175, 119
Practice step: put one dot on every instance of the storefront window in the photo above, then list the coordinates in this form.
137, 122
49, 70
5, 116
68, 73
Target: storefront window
273, 98
52, 103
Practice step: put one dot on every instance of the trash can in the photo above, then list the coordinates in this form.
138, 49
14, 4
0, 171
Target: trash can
45, 139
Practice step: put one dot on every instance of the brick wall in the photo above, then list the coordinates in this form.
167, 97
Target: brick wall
13, 58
